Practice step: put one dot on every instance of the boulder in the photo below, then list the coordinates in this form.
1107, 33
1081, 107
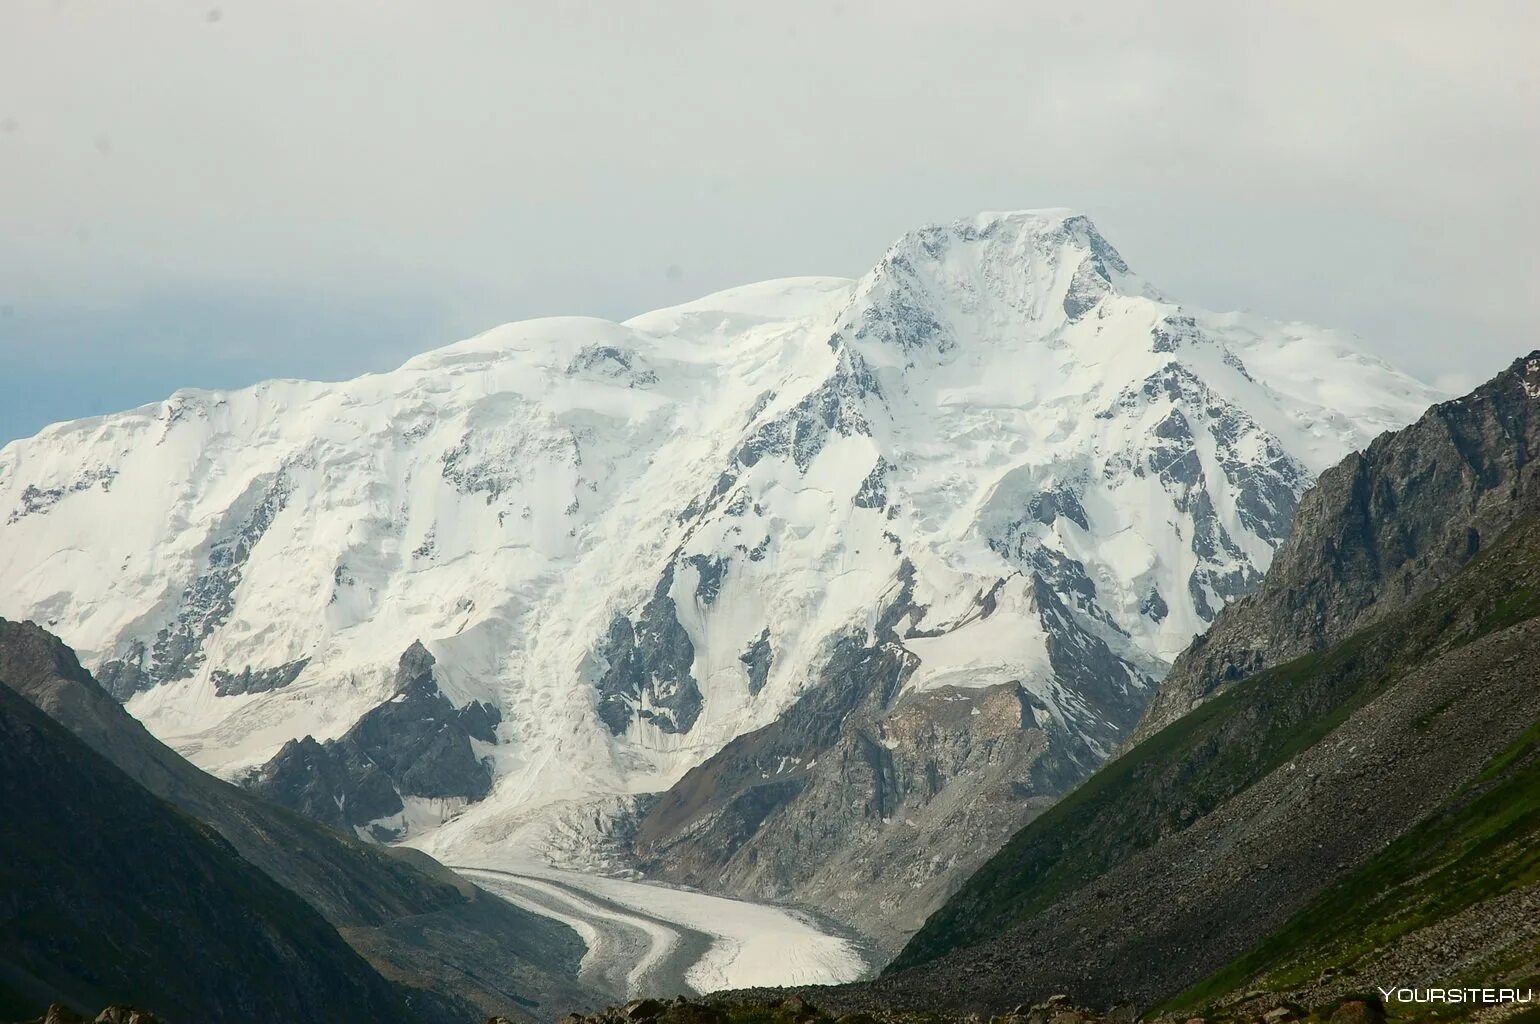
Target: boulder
1358, 1011
58, 1013
120, 1014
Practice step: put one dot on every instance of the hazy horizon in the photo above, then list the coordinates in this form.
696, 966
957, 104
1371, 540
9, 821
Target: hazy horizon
254, 191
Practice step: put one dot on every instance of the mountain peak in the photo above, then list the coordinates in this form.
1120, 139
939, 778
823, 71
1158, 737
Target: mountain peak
1042, 269
1047, 230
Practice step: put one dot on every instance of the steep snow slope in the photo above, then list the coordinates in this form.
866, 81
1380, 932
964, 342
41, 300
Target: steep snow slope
999, 454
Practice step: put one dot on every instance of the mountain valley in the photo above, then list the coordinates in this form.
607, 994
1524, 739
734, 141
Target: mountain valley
810, 592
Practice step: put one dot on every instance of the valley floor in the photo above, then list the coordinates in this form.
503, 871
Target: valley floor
644, 937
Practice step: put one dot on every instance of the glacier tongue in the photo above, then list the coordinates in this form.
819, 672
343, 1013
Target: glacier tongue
1000, 450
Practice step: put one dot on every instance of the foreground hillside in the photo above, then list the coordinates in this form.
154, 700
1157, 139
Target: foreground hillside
110, 892
123, 861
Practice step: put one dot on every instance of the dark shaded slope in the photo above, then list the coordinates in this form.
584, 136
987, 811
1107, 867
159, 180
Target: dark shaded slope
1454, 901
1378, 530
414, 921
1201, 842
416, 744
109, 894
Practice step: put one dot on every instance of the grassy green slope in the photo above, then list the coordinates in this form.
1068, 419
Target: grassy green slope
1481, 845
1205, 758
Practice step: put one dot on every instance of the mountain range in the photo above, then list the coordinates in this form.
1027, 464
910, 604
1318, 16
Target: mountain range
1067, 654
813, 591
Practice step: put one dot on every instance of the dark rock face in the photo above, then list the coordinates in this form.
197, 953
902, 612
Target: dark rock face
206, 602
757, 660
1061, 501
1264, 477
1381, 528
261, 680
1086, 289
648, 665
1265, 490
1173, 333
37, 501
108, 892
873, 492
835, 408
415, 744
616, 364
402, 911
711, 572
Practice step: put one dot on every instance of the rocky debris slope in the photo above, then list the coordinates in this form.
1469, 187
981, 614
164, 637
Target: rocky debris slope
411, 918
1386, 525
864, 805
1360, 809
771, 1006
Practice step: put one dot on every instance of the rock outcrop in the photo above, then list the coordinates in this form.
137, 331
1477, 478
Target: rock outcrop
1377, 531
415, 746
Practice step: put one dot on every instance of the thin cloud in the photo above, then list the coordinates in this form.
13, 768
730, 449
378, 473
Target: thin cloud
1364, 165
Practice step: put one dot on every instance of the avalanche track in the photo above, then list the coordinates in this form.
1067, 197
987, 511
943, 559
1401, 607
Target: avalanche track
653, 938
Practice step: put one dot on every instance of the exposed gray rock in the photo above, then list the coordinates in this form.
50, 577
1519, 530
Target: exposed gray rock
757, 659
1173, 333
872, 808
873, 492
1086, 289
607, 361
207, 602
259, 681
1378, 530
648, 666
415, 744
711, 572
36, 501
1048, 506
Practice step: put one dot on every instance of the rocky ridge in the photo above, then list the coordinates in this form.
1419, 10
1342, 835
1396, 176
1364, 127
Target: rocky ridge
415, 747
1361, 815
406, 915
1380, 529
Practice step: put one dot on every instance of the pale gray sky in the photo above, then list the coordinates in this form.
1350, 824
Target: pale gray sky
207, 194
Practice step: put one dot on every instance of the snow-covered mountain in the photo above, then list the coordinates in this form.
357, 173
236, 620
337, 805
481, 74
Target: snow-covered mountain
1000, 458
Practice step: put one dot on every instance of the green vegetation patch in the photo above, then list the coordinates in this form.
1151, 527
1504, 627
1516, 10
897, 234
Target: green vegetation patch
1215, 752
